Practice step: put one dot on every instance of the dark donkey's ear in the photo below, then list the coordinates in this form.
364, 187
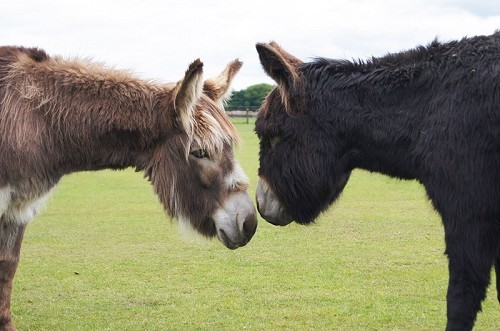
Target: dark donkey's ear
217, 88
284, 69
186, 93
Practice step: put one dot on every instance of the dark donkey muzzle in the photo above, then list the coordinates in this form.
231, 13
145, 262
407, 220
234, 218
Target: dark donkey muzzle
269, 206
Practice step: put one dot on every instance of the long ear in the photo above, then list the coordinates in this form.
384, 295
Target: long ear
217, 88
279, 64
187, 92
284, 69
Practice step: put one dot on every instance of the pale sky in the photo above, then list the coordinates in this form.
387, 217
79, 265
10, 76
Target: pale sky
158, 39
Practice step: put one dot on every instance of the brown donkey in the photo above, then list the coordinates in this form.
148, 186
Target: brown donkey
61, 116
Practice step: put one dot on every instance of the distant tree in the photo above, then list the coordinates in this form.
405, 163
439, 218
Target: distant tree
251, 97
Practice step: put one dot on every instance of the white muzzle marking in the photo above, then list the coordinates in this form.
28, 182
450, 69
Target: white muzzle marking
230, 220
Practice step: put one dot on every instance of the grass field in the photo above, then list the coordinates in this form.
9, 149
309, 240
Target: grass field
103, 256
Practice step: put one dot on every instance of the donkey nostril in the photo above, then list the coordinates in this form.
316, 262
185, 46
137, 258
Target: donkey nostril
250, 226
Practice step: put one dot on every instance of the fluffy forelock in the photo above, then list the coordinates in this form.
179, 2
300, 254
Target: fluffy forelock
213, 128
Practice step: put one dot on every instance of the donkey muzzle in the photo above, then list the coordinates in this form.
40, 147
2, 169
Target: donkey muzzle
236, 220
269, 206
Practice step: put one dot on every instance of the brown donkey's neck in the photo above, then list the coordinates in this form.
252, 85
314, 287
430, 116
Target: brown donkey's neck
83, 114
61, 116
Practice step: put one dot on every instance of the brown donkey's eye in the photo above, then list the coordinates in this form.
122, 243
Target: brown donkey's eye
200, 154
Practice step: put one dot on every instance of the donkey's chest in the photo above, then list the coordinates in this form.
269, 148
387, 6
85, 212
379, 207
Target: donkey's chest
18, 209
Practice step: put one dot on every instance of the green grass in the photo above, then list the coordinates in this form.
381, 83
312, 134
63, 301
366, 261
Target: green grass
103, 256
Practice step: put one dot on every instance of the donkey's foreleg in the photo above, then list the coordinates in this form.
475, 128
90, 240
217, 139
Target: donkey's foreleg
11, 236
471, 251
497, 274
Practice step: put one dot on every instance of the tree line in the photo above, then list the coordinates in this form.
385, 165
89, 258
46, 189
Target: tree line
249, 98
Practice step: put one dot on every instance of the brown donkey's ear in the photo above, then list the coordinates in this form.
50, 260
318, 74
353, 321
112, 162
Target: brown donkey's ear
284, 69
217, 88
187, 92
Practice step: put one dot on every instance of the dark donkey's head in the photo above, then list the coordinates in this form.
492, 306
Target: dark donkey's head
301, 167
194, 171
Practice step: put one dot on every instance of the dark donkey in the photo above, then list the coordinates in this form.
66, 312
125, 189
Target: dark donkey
431, 114
59, 116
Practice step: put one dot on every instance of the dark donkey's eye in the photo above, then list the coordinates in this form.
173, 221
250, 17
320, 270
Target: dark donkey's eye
200, 153
274, 141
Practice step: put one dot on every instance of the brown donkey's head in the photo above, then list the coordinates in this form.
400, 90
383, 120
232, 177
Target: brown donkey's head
194, 171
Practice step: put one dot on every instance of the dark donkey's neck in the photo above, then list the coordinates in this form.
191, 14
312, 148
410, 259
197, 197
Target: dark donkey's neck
72, 115
382, 127
386, 130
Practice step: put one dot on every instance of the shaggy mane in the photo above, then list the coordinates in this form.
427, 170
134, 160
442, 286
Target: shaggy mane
398, 68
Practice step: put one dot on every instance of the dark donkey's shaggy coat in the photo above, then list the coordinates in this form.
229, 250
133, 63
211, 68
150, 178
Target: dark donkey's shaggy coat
431, 113
60, 116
